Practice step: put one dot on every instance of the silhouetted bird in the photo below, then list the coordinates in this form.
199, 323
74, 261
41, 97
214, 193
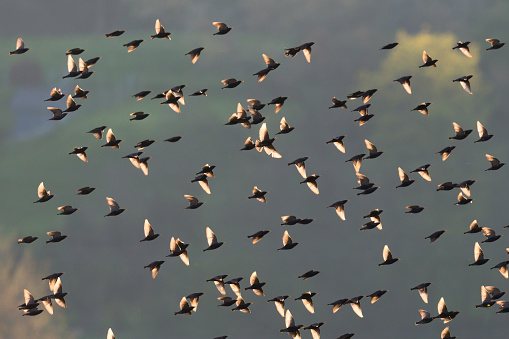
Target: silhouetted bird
435, 235
173, 139
141, 95
443, 313
363, 182
368, 190
114, 208
390, 46
284, 127
57, 113
138, 116
98, 132
256, 285
111, 141
55, 95
43, 194
71, 104
478, 256
446, 186
425, 318
133, 45
67, 210
84, 72
231, 83
154, 267
258, 236
242, 306
235, 285
212, 240
338, 142
405, 82
495, 44
195, 54
373, 151
71, 68
265, 143
355, 303
423, 108
194, 299
256, 104
75, 51
375, 296
366, 96
414, 209
248, 144
184, 307
149, 232
462, 200
495, 163
222, 28
30, 306
91, 62
387, 255
279, 101
27, 240
179, 249
490, 235
463, 47
355, 95
423, 291
483, 133
200, 92
465, 83
288, 244
290, 327
474, 228
289, 220
308, 274
80, 153
356, 161
114, 34
460, 134
280, 303
79, 93
160, 32
423, 171
56, 236
226, 301
346, 336
311, 182
204, 183
271, 65
20, 47
338, 103
339, 206
428, 61
445, 152
502, 268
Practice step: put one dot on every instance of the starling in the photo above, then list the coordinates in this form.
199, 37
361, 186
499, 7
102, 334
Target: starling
474, 228
173, 139
465, 83
337, 304
443, 313
280, 303
114, 208
71, 104
91, 62
194, 299
141, 95
242, 306
462, 200
311, 182
355, 95
27, 240
144, 143
446, 152
84, 72
200, 92
368, 190
373, 214
284, 127
231, 83
339, 206
235, 285
446, 334
414, 209
373, 151
226, 301
465, 186
67, 210
30, 306
55, 236
248, 145
289, 220
338, 142
271, 65
292, 329
428, 61
133, 45
222, 28
256, 104
219, 282
256, 285
75, 51
502, 268
212, 241
80, 152
144, 164
366, 96
355, 303
279, 101
370, 225
111, 141
258, 236
356, 161
154, 267
423, 108
362, 109
495, 44
390, 46
306, 221
405, 81
306, 50
490, 235
80, 93
494, 292
179, 249
48, 305
43, 194
425, 318
375, 296
20, 47
291, 52
288, 244
98, 132
160, 32
57, 113
71, 68
208, 170
483, 133
463, 47
387, 255
423, 291
338, 103
434, 236
460, 134
307, 301
204, 183
55, 95
195, 54
265, 143
495, 163
114, 34
138, 116
363, 182
149, 232
184, 307
256, 116
446, 186
423, 171
504, 306
478, 256
172, 100
308, 274
346, 336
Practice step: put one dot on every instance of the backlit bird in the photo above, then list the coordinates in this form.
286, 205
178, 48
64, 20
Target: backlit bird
114, 34
405, 82
462, 200
465, 83
114, 208
428, 61
307, 301
111, 140
373, 151
67, 210
278, 102
280, 303
490, 235
425, 318
387, 255
98, 132
212, 240
338, 142
414, 209
478, 256
483, 133
185, 308
43, 194
284, 127
463, 47
231, 83
148, 231
311, 182
195, 54
80, 153
495, 44
445, 152
423, 108
56, 236
290, 327
443, 313
435, 235
255, 285
27, 240
133, 45
338, 103
390, 46
204, 183
79, 93
160, 32
222, 28
71, 104
55, 95
423, 171
154, 267
258, 236
423, 291
460, 134
339, 206
495, 163
20, 47
288, 244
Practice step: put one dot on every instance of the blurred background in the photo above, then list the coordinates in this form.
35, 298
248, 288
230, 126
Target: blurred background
102, 257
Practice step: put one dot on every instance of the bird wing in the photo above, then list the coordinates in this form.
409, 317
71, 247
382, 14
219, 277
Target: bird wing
192, 200
406, 86
474, 225
289, 321
461, 197
82, 65
478, 253
402, 175
211, 237
236, 289
283, 125
254, 102
308, 304
82, 156
269, 61
425, 57
492, 290
370, 146
387, 255
307, 53
54, 233
491, 41
466, 86
147, 229
301, 167
313, 187
493, 161
481, 130
220, 287
228, 81
357, 164
446, 333
48, 305
254, 279
287, 240
425, 175
144, 166
110, 137
241, 112
442, 308
110, 334
29, 299
71, 65
423, 292
41, 191
340, 211
220, 26
20, 44
424, 314
485, 295
264, 133
183, 303
363, 180
356, 307
58, 287
340, 146
113, 204
488, 232
159, 28
280, 307
205, 185
457, 129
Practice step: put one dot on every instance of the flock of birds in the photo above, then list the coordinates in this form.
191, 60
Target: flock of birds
174, 97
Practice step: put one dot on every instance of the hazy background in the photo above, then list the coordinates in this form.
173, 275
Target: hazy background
102, 258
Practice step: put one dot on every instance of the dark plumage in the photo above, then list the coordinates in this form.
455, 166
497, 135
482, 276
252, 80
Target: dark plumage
55, 95
422, 108
75, 51
414, 209
495, 44
428, 61
138, 116
405, 82
494, 162
308, 274
43, 194
27, 240
338, 142
133, 45
478, 256
258, 236
173, 139
338, 103
141, 95
423, 291
435, 235
463, 47
222, 28
311, 182
231, 83
387, 255
114, 34
288, 244
460, 134
200, 92
55, 236
114, 208
20, 49
85, 190
195, 54
465, 83
160, 32
98, 132
279, 101
445, 152
390, 46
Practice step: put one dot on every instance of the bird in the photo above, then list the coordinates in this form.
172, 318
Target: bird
390, 46
368, 190
114, 34
355, 303
460, 134
423, 171
75, 51
144, 164
435, 235
204, 183
405, 180
387, 255
464, 186
155, 267
356, 161
56, 236
30, 306
195, 54
184, 307
222, 28
179, 249
363, 182
258, 236
27, 240
138, 116
71, 104
423, 108
363, 111
414, 209
463, 48
235, 285
483, 133
300, 165
57, 113
248, 145
336, 103
218, 280
490, 235
55, 95
290, 327
446, 186
212, 240
71, 68
307, 301
133, 45
446, 334
98, 132
231, 83
446, 152
284, 127
114, 208
208, 170
255, 104
495, 163
278, 102
172, 100
199, 93
465, 83
370, 225
308, 274
111, 140
194, 203
428, 61
271, 65
194, 298
405, 82
337, 304
423, 291
67, 210
43, 194
425, 318
226, 301
355, 95
462, 200
366, 96
478, 256
504, 306
242, 306
288, 244
502, 268
495, 44
255, 285
289, 220
373, 151
80, 93
279, 302
375, 296
80, 153
474, 228
20, 47
311, 182
149, 232
140, 95
84, 72
160, 32
91, 62
486, 300
339, 206
110, 334
338, 142
443, 313
266, 143
173, 139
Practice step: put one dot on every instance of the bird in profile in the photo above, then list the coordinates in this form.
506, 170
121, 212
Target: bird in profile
338, 142
446, 152
114, 208
204, 183
255, 285
222, 28
98, 132
43, 194
248, 145
279, 302
80, 153
71, 68
375, 296
337, 304
235, 285
226, 301
483, 133
271, 65
194, 203
278, 102
311, 182
494, 162
428, 61
55, 95
356, 161
133, 45
154, 267
486, 300
435, 235
231, 83
218, 280
346, 336
390, 46
336, 103
284, 127
474, 228
195, 54
300, 165
265, 142
114, 34
478, 256
289, 220
446, 186
307, 301
173, 139
490, 235
423, 171
423, 108
56, 236
373, 151
75, 51
355, 303
363, 111
339, 206
355, 95
138, 116
179, 249
160, 32
172, 100
446, 334
308, 274
460, 134
242, 306
502, 268
405, 82
495, 44
30, 306
366, 96
91, 62
20, 47
148, 231
185, 308
414, 209
67, 210
290, 327
194, 298
387, 255
258, 236
465, 83
423, 291
84, 72
57, 113
212, 241
79, 93
27, 240
140, 95
425, 318
111, 140
255, 104
443, 313
462, 200
463, 48
288, 244
71, 104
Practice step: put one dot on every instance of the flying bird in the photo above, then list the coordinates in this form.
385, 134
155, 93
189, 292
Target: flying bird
195, 54
339, 206
148, 231
465, 83
111, 140
258, 236
20, 47
133, 45
160, 32
428, 61
212, 240
288, 244
494, 162
478, 256
423, 291
463, 48
495, 44
387, 255
222, 28
405, 82
114, 208
43, 194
